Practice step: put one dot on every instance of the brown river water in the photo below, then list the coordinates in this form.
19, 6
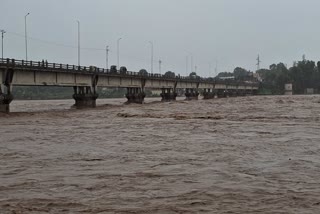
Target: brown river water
236, 155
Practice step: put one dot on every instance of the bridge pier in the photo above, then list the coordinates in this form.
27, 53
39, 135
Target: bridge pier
84, 96
232, 93
191, 94
209, 94
5, 100
241, 93
135, 95
222, 93
6, 96
168, 94
248, 92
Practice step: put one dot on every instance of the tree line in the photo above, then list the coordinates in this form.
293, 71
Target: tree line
303, 74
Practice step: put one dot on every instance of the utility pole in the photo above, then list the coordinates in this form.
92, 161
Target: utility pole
258, 62
107, 55
118, 50
78, 43
187, 65
160, 65
209, 69
151, 56
25, 34
2, 32
191, 64
216, 68
195, 69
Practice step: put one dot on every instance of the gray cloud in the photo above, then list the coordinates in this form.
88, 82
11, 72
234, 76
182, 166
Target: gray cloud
230, 31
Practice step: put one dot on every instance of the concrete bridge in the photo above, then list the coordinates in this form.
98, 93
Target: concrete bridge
85, 81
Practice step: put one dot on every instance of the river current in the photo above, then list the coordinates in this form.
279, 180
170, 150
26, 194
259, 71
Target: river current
236, 155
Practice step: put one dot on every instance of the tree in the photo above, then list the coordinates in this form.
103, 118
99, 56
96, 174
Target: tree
240, 73
194, 75
170, 74
143, 72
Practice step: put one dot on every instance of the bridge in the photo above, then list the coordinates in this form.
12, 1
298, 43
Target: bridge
85, 81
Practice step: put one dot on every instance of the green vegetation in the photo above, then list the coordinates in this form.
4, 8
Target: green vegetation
170, 74
303, 74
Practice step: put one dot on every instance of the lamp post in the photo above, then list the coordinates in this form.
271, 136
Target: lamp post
107, 55
191, 63
187, 65
151, 56
78, 42
160, 61
25, 34
118, 54
2, 32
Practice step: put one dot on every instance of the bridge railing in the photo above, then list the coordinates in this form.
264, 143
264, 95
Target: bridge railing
92, 69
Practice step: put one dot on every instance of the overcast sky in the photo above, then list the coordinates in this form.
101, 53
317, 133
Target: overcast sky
230, 32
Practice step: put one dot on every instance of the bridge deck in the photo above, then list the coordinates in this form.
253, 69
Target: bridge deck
42, 73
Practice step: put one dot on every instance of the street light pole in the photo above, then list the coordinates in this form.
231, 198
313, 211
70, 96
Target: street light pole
78, 42
160, 65
107, 53
118, 55
25, 34
151, 56
187, 65
2, 32
191, 63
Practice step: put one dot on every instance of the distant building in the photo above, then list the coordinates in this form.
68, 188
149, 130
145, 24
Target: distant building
288, 90
226, 78
257, 77
310, 91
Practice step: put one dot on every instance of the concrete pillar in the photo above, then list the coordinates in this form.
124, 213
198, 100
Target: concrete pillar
191, 94
222, 93
232, 93
242, 92
248, 92
208, 94
135, 95
6, 96
168, 94
84, 97
5, 100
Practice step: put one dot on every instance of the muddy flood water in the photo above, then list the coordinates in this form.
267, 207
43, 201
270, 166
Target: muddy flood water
236, 155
